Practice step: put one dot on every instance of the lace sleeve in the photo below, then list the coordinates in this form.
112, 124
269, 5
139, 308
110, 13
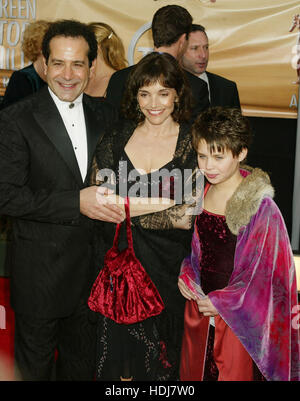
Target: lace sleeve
180, 216
104, 159
175, 217
93, 174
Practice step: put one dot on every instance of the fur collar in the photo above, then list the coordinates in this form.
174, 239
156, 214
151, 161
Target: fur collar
247, 198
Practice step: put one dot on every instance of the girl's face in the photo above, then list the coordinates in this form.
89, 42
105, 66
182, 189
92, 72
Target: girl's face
217, 166
156, 102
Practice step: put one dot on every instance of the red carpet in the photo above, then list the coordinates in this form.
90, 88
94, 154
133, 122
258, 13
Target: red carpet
6, 326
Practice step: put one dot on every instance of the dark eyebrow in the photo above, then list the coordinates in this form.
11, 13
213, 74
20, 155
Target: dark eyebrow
161, 90
62, 61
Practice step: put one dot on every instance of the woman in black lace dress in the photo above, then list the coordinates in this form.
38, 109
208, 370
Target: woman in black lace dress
154, 138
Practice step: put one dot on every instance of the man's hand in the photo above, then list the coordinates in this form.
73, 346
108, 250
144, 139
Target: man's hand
103, 210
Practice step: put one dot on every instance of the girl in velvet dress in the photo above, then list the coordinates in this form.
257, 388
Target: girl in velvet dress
154, 137
240, 278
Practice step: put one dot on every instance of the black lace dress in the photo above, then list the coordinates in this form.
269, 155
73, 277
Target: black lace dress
149, 350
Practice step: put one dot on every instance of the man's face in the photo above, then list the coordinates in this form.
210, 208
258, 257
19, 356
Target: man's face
68, 68
195, 59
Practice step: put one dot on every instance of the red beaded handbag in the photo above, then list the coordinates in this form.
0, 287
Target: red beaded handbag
123, 291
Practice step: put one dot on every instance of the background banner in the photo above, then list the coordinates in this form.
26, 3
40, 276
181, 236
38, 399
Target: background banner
253, 42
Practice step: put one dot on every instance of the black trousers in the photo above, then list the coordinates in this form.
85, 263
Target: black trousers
56, 349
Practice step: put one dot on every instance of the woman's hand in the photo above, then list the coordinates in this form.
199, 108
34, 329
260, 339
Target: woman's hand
185, 291
206, 307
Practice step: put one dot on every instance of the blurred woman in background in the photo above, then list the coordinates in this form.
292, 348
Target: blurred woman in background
29, 79
111, 57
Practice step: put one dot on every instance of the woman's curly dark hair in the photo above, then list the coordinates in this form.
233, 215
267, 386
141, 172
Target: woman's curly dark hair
162, 68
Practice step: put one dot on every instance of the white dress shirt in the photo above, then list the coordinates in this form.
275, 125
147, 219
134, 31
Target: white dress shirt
204, 77
73, 118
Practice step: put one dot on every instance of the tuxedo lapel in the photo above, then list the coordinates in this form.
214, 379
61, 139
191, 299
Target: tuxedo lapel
48, 117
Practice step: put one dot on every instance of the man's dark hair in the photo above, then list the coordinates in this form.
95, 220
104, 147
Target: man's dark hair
198, 27
162, 68
74, 29
169, 23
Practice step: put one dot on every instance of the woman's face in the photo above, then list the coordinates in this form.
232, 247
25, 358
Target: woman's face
157, 102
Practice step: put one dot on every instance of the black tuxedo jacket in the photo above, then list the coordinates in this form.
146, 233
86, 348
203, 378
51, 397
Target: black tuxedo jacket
223, 92
40, 180
117, 83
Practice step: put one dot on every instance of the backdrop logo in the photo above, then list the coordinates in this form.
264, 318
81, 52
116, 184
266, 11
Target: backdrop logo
296, 49
134, 40
14, 16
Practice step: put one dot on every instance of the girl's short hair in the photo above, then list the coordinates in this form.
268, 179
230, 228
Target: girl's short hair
162, 68
222, 129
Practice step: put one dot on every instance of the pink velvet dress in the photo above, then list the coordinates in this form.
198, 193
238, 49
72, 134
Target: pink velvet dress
256, 308
220, 355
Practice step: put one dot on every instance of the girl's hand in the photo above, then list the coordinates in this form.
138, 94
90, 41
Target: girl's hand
206, 307
185, 291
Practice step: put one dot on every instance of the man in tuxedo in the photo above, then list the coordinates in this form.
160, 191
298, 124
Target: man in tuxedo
170, 29
222, 91
46, 145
